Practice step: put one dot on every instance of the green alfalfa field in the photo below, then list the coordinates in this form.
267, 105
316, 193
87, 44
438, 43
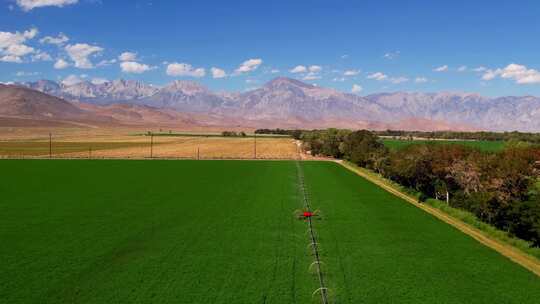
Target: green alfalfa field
156, 231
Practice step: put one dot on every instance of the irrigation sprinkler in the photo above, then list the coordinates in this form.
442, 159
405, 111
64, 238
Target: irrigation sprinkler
323, 291
318, 263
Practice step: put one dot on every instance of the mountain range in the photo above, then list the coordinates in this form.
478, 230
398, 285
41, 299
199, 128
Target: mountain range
282, 102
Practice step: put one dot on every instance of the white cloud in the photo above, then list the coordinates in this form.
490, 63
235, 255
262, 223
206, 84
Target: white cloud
490, 74
11, 58
59, 40
61, 64
356, 88
248, 66
134, 67
517, 72
298, 69
274, 71
105, 62
71, 80
377, 76
339, 79
7, 38
315, 68
26, 74
462, 68
311, 76
218, 73
18, 50
397, 80
128, 56
12, 47
345, 56
480, 69
443, 68
80, 52
351, 73
184, 69
27, 5
99, 80
41, 56
421, 80
391, 55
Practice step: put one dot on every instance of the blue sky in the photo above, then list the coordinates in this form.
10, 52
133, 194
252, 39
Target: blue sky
489, 47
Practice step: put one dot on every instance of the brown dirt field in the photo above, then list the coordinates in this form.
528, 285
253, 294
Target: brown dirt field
124, 143
506, 250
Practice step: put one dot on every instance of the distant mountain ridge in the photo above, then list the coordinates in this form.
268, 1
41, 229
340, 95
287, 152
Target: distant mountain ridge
285, 102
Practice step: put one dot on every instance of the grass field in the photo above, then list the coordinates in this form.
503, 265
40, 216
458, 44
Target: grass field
490, 146
106, 231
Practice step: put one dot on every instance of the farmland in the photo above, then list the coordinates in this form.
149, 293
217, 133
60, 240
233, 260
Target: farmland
483, 145
112, 231
136, 144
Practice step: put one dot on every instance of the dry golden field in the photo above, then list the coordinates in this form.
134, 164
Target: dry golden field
130, 143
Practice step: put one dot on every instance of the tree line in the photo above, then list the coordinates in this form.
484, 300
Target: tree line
483, 135
500, 188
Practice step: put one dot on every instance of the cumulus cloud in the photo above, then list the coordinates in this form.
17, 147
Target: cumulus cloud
128, 56
71, 80
28, 5
298, 69
377, 76
61, 64
18, 50
462, 68
80, 54
12, 47
59, 40
8, 38
218, 73
134, 67
517, 72
356, 88
443, 68
315, 68
421, 80
184, 69
351, 73
41, 56
11, 59
248, 66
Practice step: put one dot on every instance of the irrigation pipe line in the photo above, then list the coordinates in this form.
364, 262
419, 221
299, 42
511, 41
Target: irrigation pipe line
314, 245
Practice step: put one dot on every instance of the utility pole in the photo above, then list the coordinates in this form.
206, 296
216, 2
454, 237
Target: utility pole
198, 153
50, 145
151, 145
255, 146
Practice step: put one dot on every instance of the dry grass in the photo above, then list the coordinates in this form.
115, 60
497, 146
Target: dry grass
123, 143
